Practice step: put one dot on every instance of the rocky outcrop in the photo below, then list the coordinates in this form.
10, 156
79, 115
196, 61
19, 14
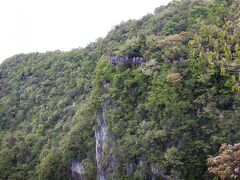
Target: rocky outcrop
77, 170
104, 141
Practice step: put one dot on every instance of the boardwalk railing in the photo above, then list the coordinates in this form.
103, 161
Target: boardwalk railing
129, 61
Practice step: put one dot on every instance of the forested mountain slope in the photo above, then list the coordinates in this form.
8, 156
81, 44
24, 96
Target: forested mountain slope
78, 115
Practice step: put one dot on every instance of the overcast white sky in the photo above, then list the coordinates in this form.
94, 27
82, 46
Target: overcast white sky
46, 25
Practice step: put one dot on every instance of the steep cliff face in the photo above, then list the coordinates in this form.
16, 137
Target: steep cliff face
104, 141
78, 115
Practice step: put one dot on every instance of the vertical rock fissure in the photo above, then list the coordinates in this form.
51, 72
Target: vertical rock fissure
101, 134
104, 142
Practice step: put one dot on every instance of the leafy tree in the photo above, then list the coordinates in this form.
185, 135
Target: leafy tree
227, 164
217, 50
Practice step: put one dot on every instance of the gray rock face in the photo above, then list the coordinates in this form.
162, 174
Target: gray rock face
105, 161
101, 135
104, 142
77, 170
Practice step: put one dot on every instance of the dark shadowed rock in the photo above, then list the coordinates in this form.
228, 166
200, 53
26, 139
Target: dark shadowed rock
77, 170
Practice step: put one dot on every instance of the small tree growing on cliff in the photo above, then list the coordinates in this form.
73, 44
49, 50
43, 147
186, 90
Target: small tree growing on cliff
227, 164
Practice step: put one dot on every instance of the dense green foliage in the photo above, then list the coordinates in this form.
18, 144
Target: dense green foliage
171, 112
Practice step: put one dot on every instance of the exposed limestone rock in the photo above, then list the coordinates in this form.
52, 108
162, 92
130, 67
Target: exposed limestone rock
77, 170
104, 141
